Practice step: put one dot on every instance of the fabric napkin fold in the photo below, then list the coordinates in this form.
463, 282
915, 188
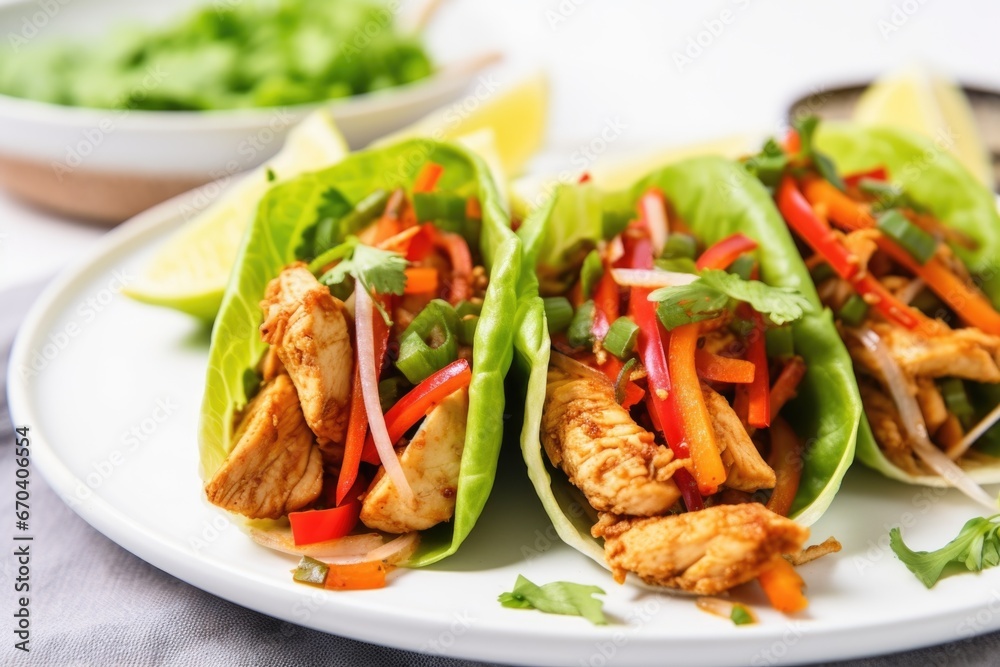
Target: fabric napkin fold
94, 603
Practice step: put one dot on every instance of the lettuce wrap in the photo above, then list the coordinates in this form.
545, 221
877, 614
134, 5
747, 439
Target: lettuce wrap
715, 198
940, 185
287, 216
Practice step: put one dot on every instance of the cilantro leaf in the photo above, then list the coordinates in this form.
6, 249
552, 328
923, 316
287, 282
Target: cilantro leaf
716, 291
558, 597
377, 271
976, 548
768, 165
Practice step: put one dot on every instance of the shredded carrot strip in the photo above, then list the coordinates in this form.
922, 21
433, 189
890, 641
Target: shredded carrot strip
785, 387
786, 460
783, 586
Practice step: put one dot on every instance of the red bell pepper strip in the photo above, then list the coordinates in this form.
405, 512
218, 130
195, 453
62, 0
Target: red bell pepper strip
876, 174
882, 300
814, 231
639, 255
419, 401
313, 526
584, 177
633, 392
606, 302
723, 369
725, 252
690, 407
427, 178
421, 243
461, 264
653, 215
968, 303
357, 423
840, 208
759, 407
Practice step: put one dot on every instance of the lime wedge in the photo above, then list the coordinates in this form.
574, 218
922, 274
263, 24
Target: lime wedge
931, 105
515, 112
190, 271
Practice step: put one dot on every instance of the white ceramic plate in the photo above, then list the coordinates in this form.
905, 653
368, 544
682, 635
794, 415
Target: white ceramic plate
110, 390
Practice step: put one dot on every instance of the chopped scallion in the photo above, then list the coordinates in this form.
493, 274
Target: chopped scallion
911, 238
621, 337
854, 311
558, 313
580, 331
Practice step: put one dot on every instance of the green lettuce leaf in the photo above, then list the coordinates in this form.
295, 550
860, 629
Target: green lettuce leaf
285, 214
715, 198
937, 183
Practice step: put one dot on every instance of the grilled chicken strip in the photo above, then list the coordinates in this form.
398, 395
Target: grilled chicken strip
308, 328
883, 416
431, 463
275, 467
966, 353
611, 459
745, 469
704, 552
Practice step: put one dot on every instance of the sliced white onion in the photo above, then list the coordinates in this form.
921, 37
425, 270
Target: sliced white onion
977, 431
347, 547
396, 550
910, 292
913, 420
574, 367
651, 278
656, 217
369, 391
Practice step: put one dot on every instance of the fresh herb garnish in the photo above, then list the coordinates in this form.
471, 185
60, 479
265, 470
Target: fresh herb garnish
717, 291
590, 273
768, 165
558, 597
377, 271
976, 548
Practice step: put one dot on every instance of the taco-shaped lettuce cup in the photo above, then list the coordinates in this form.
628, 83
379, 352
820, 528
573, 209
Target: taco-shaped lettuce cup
688, 370
365, 297
902, 242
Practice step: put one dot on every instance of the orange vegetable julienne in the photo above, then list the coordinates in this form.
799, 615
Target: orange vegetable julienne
428, 177
420, 280
723, 369
840, 208
967, 302
356, 576
706, 460
783, 586
786, 460
785, 387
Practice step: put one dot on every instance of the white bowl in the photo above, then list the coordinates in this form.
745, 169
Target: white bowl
107, 165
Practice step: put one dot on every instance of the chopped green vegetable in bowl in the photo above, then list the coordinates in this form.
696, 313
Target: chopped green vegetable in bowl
226, 56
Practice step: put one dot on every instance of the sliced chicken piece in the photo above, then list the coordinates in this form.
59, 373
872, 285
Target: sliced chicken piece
932, 405
308, 328
862, 243
431, 463
275, 467
270, 365
611, 459
965, 353
704, 552
746, 469
883, 416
